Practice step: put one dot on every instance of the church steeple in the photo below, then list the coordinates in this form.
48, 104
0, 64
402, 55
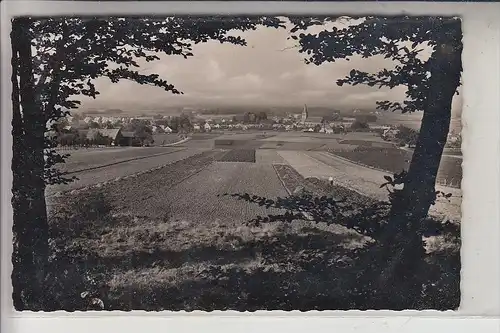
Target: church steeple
305, 114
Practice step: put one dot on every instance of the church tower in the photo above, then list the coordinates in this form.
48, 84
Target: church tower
305, 114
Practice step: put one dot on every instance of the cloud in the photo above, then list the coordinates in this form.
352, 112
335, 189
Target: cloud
314, 93
213, 72
266, 71
367, 96
245, 82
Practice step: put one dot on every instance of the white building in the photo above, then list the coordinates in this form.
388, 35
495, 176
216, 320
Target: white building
207, 127
157, 129
390, 133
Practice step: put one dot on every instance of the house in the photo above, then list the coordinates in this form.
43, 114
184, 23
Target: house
114, 134
196, 127
167, 129
453, 140
380, 127
390, 133
158, 129
207, 127
128, 139
71, 128
313, 121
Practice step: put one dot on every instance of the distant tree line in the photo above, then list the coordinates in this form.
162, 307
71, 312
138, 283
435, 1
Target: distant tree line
80, 139
359, 125
143, 133
251, 117
366, 118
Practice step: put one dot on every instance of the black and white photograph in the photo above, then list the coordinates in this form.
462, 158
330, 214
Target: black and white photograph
236, 162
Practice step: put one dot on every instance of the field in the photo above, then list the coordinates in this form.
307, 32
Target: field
165, 139
84, 159
239, 155
394, 160
413, 120
173, 230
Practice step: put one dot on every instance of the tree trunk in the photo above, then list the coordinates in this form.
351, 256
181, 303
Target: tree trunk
30, 227
412, 204
18, 257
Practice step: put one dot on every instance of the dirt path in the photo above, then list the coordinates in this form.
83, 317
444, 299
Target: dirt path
361, 179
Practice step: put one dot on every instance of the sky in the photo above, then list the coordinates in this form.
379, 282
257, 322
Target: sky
269, 71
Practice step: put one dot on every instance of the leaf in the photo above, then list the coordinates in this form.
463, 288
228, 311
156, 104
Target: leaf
388, 178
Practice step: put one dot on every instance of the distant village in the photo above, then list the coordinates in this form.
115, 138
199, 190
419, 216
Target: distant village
92, 130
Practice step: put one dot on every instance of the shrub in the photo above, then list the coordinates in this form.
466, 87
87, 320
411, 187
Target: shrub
407, 136
359, 125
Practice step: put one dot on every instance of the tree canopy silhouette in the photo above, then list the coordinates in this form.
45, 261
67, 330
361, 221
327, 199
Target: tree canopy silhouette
431, 84
55, 60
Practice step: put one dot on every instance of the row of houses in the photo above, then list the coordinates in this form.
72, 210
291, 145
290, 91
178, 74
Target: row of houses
113, 137
161, 129
116, 135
